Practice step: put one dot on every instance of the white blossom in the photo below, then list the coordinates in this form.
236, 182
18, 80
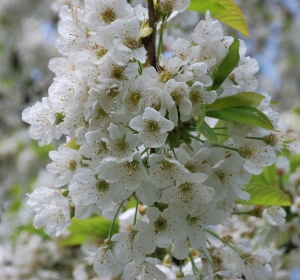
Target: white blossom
152, 128
52, 209
274, 215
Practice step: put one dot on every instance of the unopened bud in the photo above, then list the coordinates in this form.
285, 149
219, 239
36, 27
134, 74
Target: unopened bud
64, 192
145, 32
142, 209
167, 261
179, 274
107, 241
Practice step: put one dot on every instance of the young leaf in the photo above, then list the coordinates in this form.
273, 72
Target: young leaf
227, 65
224, 10
242, 114
72, 144
208, 133
265, 195
239, 99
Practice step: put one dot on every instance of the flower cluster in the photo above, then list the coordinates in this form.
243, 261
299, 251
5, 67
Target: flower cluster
138, 131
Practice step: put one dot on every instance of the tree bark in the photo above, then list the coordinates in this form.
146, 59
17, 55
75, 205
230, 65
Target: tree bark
150, 42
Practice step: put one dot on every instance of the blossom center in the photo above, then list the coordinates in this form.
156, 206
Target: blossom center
152, 126
176, 97
160, 224
195, 97
165, 76
132, 166
221, 175
192, 220
102, 185
166, 165
132, 43
246, 152
113, 92
101, 113
108, 15
118, 73
185, 188
72, 165
135, 97
102, 147
121, 144
132, 235
101, 51
190, 167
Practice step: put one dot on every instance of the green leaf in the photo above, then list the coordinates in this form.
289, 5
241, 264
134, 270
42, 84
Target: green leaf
202, 117
240, 99
245, 98
74, 239
294, 162
265, 195
42, 151
93, 227
221, 128
31, 230
267, 177
296, 110
229, 62
224, 10
208, 133
242, 114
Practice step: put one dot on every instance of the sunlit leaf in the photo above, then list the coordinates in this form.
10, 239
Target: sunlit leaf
224, 10
242, 114
267, 177
265, 195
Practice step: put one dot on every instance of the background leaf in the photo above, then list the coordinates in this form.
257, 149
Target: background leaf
265, 195
224, 10
242, 114
81, 230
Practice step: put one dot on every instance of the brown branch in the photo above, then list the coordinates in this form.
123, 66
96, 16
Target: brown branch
150, 42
